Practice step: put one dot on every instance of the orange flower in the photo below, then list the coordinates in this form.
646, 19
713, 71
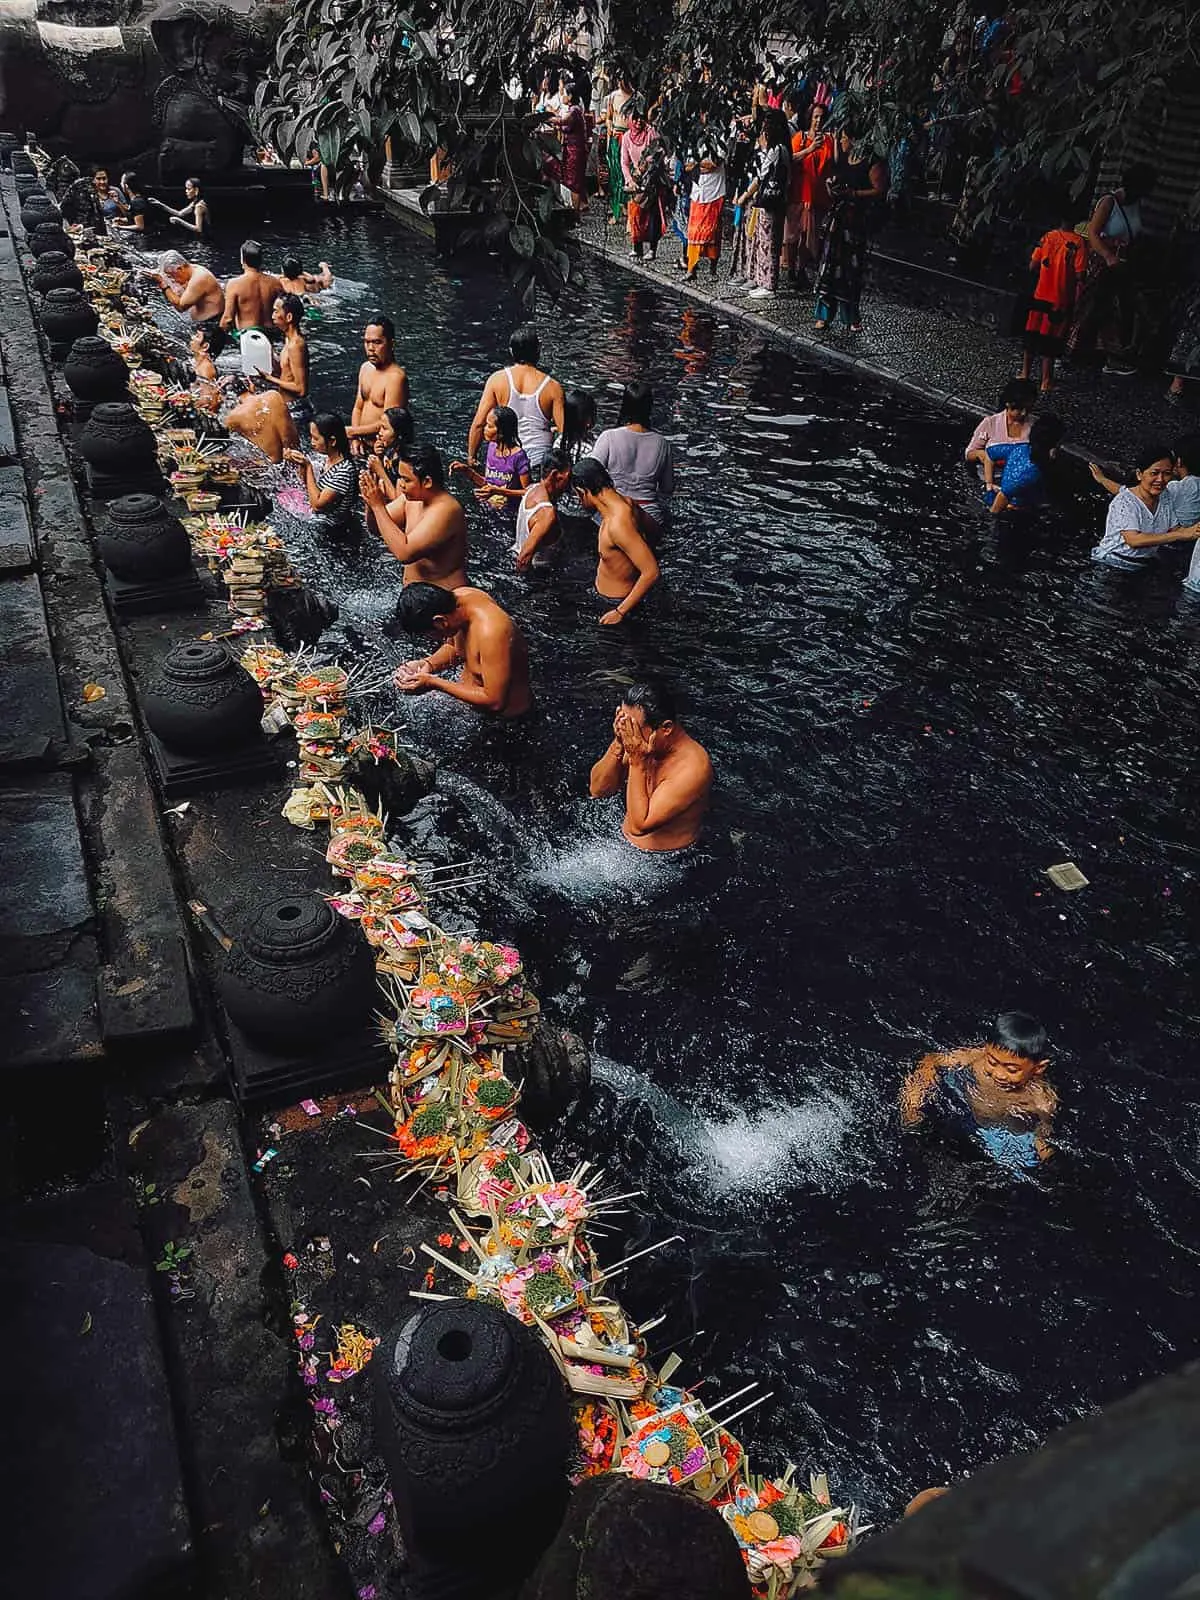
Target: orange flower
445, 1240
838, 1534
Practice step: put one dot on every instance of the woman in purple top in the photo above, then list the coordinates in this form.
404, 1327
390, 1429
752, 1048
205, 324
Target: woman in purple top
505, 476
640, 462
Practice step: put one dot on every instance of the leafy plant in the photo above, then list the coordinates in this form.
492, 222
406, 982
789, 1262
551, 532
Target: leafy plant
173, 1258
349, 75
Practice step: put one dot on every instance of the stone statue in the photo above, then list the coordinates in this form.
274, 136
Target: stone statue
166, 92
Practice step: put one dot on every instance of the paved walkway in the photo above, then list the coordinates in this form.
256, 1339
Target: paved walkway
931, 353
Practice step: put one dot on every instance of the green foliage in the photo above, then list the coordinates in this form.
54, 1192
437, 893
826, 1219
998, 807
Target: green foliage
1060, 90
349, 74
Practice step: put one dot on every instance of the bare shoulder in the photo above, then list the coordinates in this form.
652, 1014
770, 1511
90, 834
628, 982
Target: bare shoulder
698, 759
1043, 1097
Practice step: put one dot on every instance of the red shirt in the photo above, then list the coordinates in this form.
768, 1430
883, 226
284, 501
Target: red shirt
809, 183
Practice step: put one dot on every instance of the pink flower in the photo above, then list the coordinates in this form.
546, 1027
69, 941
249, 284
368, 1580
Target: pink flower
377, 1523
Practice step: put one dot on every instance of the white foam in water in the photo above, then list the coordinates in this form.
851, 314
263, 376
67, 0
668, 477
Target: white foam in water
777, 1145
736, 1153
598, 863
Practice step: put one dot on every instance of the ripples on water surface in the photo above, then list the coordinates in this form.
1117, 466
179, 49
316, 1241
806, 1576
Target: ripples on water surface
910, 720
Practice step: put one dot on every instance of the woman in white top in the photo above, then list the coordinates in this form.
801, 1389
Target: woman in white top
1104, 314
1139, 519
640, 462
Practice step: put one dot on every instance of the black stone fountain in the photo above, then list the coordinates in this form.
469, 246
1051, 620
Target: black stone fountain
472, 1419
204, 712
39, 207
46, 236
148, 556
299, 990
120, 451
95, 374
54, 270
66, 315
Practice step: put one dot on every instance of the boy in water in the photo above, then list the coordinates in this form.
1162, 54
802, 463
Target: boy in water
995, 1093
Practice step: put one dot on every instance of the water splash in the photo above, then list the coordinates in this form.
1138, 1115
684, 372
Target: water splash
598, 864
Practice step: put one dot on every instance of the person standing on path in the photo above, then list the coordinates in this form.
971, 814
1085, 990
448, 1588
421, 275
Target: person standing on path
627, 568
858, 181
534, 395
616, 121
767, 192
808, 198
639, 461
706, 206
1106, 311
1059, 261
382, 382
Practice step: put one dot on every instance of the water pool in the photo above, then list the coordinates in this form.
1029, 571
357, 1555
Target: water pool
910, 721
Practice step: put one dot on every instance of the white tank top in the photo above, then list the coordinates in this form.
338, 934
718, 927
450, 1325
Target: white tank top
533, 425
525, 515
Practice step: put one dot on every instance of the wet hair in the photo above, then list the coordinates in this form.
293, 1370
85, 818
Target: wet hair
554, 461
525, 346
171, 261
195, 183
1021, 1035
400, 419
333, 430
292, 266
1149, 451
506, 426
292, 305
1187, 453
215, 338
420, 603
130, 184
579, 414
591, 475
636, 403
381, 320
655, 700
426, 462
1045, 436
1020, 394
251, 253
1138, 180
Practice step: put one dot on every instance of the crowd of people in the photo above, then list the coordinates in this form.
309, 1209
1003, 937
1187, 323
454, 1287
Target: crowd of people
529, 443
787, 180
782, 173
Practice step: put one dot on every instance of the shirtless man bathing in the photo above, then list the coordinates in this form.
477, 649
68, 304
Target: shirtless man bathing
250, 296
191, 288
382, 382
480, 637
994, 1093
287, 316
424, 527
628, 569
667, 775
